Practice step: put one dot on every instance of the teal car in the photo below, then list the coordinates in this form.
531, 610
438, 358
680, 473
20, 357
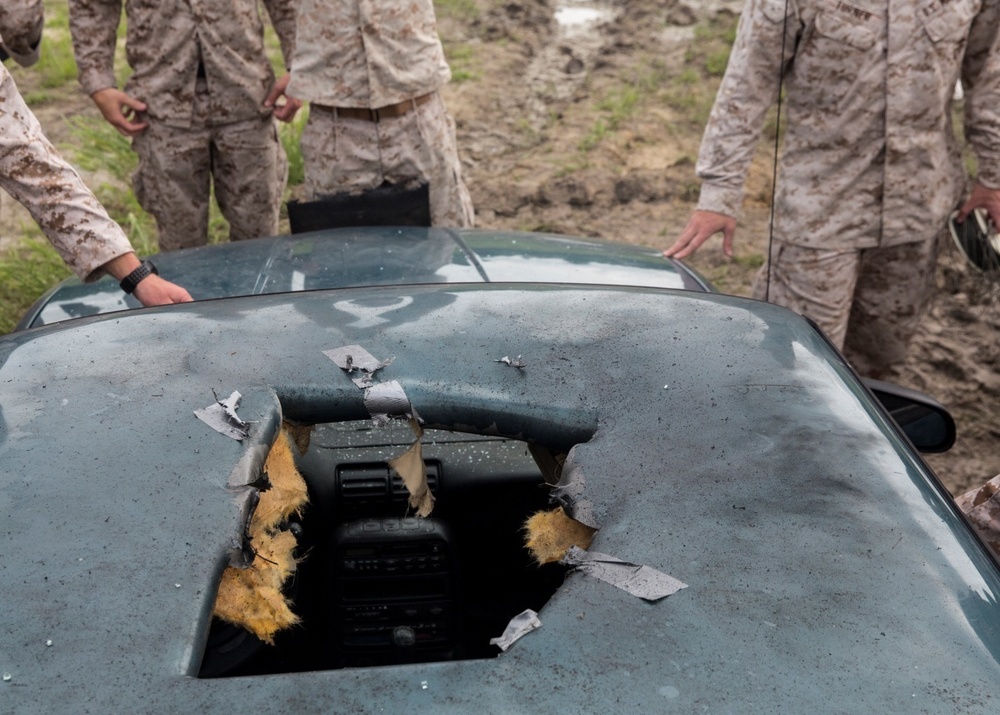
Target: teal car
764, 535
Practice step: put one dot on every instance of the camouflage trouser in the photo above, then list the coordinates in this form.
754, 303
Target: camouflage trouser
344, 155
982, 508
867, 301
244, 161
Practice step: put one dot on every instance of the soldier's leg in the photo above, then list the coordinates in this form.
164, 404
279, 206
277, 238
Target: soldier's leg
894, 287
340, 155
818, 283
249, 170
172, 182
421, 145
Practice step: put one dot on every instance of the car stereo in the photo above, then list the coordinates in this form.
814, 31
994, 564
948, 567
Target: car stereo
395, 592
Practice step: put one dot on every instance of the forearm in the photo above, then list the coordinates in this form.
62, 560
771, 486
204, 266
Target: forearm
33, 173
282, 14
749, 88
93, 26
981, 81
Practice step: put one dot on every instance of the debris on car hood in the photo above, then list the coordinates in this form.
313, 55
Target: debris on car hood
643, 581
221, 416
520, 625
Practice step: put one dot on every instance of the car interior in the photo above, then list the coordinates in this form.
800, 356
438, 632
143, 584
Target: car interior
377, 585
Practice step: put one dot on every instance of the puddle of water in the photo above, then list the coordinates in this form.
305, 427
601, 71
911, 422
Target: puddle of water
569, 17
576, 18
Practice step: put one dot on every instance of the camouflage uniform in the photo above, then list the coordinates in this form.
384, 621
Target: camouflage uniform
870, 168
201, 69
377, 54
33, 173
21, 22
982, 508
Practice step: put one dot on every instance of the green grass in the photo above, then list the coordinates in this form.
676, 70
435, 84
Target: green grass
27, 270
462, 60
291, 135
462, 10
622, 103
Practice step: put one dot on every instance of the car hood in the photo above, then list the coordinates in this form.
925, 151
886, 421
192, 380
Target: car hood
369, 256
719, 440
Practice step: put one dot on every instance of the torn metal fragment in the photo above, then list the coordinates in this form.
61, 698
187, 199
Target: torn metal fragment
520, 625
411, 469
643, 581
568, 493
516, 362
351, 357
387, 399
221, 416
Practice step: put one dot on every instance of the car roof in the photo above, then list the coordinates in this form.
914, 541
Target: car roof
719, 440
368, 256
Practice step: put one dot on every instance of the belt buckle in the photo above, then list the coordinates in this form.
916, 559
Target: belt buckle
373, 116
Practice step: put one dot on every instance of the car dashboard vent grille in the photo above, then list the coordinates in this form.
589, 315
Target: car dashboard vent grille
370, 488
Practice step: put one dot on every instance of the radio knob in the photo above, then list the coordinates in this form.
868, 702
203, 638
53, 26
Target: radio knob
403, 636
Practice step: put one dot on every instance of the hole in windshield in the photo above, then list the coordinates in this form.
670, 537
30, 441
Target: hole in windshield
376, 585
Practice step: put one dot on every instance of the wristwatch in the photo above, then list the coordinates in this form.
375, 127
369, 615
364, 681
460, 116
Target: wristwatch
132, 280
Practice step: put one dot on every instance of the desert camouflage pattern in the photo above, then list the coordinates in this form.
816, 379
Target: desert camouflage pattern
867, 301
166, 40
869, 156
982, 508
366, 53
21, 24
244, 161
33, 173
353, 155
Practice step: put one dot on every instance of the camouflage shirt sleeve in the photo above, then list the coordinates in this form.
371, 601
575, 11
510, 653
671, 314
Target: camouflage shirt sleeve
33, 173
981, 80
93, 25
748, 89
282, 14
21, 23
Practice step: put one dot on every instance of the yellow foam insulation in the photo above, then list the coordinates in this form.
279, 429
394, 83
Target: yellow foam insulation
410, 467
549, 534
253, 597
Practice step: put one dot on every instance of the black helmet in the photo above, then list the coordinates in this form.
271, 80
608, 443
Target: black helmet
977, 239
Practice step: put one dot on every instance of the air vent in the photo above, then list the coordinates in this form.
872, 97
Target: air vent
399, 492
369, 482
368, 488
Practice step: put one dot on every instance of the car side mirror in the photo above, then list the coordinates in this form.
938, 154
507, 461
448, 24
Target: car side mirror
927, 423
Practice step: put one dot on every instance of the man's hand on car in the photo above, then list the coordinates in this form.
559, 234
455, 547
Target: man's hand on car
700, 227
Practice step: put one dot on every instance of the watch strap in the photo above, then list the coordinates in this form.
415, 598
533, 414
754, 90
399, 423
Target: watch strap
130, 282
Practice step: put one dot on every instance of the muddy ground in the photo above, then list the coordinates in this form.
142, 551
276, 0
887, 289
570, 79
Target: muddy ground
591, 126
